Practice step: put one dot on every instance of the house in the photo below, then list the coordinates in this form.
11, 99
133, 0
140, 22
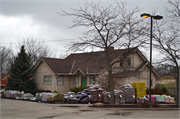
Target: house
4, 79
83, 69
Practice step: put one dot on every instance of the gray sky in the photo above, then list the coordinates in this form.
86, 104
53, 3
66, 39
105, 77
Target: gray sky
38, 18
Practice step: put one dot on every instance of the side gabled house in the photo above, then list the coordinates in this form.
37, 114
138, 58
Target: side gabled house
83, 69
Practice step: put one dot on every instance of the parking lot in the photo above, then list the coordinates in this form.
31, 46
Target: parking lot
18, 109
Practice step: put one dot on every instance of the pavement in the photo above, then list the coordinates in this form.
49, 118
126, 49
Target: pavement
18, 109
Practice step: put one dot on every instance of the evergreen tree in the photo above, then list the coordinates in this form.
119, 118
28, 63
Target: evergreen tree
21, 74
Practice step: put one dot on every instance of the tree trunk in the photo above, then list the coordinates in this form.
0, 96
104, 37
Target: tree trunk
177, 85
111, 85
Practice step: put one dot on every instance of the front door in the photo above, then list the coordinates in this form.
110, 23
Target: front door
83, 82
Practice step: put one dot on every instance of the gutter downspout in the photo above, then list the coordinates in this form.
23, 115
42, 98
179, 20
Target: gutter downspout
56, 81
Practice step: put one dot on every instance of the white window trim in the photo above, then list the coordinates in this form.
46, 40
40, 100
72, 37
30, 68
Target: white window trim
77, 84
62, 80
91, 81
49, 79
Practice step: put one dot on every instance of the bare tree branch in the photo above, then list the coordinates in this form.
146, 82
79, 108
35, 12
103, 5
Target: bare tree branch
107, 27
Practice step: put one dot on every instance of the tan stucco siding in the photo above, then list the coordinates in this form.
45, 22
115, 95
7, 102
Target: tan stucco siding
66, 86
131, 79
119, 82
39, 73
137, 60
144, 76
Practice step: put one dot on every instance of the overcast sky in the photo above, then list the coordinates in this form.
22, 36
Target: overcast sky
38, 18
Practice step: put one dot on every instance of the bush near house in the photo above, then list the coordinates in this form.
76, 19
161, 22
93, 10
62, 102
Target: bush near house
56, 92
77, 89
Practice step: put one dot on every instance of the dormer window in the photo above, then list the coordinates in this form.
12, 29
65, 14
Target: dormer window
128, 62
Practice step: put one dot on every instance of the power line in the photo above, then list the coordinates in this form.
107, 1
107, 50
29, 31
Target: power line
45, 41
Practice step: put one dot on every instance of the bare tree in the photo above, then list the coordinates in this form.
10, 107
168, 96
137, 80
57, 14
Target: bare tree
6, 58
35, 49
106, 27
167, 35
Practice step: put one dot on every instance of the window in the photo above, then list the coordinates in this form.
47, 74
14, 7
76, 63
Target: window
75, 81
47, 80
128, 62
92, 80
122, 63
60, 80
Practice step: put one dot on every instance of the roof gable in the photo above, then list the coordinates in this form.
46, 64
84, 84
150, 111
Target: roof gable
58, 65
145, 63
87, 63
4, 76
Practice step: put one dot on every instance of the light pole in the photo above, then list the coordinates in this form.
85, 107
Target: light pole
178, 87
157, 17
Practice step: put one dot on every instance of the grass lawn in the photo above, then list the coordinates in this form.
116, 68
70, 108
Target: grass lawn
169, 88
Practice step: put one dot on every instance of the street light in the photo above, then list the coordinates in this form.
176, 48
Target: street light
157, 17
179, 85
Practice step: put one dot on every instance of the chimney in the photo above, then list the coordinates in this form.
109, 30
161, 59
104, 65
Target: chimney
111, 48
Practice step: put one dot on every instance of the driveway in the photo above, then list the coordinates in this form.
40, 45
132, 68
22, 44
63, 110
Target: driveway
17, 109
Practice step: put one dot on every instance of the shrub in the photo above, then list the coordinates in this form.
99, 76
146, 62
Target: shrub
56, 92
164, 90
77, 89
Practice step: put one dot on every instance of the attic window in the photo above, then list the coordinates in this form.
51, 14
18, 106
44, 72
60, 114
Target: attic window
128, 62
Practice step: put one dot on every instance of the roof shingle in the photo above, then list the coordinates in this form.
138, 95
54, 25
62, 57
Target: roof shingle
91, 62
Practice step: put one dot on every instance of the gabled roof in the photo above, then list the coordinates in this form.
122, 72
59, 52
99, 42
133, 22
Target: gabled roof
58, 65
4, 76
130, 73
4, 79
94, 62
87, 63
141, 66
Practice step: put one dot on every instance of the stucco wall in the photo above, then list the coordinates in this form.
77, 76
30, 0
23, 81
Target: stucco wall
39, 76
136, 61
145, 77
66, 86
42, 70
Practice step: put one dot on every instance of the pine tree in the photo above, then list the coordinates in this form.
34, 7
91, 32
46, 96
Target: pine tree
21, 74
